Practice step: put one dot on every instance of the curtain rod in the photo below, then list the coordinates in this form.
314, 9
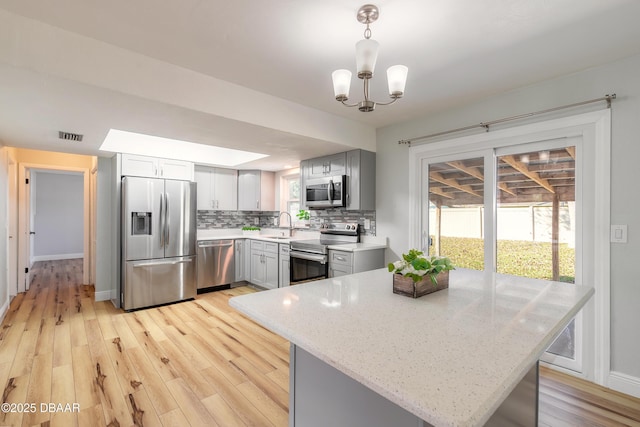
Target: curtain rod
608, 98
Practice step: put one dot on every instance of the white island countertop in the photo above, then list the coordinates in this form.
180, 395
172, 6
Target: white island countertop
450, 357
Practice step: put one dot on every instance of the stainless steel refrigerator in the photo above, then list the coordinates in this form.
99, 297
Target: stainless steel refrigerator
158, 241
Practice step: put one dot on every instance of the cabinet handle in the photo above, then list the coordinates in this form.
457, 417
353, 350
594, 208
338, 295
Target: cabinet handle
339, 258
257, 204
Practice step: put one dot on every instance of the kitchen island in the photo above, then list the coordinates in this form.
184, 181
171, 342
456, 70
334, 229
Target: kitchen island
464, 356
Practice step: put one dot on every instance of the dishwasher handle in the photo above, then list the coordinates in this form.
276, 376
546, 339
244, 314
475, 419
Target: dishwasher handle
216, 244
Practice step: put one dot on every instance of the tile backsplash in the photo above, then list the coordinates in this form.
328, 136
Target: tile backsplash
237, 219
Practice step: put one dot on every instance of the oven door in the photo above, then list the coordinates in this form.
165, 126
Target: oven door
326, 192
306, 267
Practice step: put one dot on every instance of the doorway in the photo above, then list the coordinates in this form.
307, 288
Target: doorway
54, 221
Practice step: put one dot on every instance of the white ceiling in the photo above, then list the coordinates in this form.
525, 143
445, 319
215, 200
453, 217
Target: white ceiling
457, 52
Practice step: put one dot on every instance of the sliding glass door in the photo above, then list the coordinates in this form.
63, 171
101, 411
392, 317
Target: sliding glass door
538, 224
518, 210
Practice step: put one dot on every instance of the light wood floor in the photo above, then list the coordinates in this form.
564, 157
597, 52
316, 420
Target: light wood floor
194, 363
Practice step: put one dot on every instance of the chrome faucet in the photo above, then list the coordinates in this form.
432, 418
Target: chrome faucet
290, 222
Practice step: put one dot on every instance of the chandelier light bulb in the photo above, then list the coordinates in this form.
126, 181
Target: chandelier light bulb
341, 84
366, 57
397, 79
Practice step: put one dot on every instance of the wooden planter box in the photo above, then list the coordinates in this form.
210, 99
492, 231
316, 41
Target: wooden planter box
406, 286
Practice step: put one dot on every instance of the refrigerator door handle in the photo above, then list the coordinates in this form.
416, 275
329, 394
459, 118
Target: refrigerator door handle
156, 263
161, 220
167, 218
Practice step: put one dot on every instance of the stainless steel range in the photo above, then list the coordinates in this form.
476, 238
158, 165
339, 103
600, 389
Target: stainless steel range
309, 259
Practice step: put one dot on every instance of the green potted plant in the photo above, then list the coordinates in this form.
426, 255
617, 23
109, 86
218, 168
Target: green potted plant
250, 230
417, 274
303, 217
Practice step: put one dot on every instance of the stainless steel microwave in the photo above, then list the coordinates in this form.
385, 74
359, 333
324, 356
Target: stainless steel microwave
326, 192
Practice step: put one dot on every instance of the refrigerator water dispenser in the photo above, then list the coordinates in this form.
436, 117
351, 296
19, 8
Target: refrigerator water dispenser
140, 223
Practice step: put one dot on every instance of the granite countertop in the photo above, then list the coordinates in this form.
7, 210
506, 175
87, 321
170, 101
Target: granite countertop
276, 235
270, 235
357, 247
450, 357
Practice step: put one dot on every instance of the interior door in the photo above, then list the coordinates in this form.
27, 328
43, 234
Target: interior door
30, 211
12, 195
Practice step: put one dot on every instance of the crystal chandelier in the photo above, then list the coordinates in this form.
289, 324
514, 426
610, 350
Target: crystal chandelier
366, 56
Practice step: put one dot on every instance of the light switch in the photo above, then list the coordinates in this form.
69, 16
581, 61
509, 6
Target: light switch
618, 234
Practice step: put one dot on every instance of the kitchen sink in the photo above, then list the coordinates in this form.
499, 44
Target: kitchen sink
278, 237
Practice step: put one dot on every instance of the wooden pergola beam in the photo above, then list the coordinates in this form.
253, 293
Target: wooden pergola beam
439, 192
476, 173
523, 169
437, 176
473, 171
572, 152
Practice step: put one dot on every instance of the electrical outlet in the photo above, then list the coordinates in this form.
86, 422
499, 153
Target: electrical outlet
256, 221
618, 234
367, 224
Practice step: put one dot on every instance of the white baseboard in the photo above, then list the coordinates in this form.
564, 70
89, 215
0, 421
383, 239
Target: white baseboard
624, 383
4, 309
103, 296
56, 257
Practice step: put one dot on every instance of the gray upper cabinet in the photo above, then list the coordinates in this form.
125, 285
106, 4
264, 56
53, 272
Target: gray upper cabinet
304, 166
217, 188
326, 166
361, 180
360, 168
256, 190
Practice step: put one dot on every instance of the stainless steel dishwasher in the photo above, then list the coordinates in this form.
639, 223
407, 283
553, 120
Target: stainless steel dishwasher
216, 264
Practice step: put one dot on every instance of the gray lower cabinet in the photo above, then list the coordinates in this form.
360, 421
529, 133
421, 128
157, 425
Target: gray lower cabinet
284, 265
342, 263
243, 259
264, 264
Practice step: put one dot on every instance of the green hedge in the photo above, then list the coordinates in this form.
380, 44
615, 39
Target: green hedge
516, 257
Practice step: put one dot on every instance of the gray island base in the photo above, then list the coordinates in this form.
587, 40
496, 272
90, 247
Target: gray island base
464, 356
321, 395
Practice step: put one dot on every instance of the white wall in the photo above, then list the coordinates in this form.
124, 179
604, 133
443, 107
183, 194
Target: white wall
59, 215
106, 227
619, 77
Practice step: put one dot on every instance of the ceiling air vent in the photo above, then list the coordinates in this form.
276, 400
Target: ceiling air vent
68, 136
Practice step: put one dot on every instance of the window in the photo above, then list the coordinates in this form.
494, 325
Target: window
290, 199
